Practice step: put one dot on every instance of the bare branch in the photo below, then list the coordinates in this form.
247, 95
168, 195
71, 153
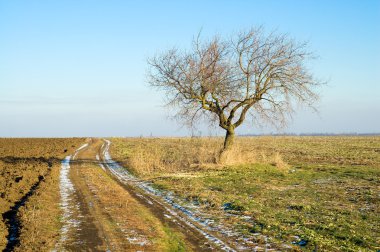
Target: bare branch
222, 80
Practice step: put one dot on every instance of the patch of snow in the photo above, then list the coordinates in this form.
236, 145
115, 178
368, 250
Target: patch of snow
67, 190
79, 149
100, 163
67, 205
138, 241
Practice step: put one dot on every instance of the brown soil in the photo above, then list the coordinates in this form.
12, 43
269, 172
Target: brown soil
29, 167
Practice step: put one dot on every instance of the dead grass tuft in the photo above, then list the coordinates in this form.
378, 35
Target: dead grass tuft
279, 162
168, 155
147, 156
237, 155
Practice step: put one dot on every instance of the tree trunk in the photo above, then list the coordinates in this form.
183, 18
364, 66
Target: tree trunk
228, 143
229, 139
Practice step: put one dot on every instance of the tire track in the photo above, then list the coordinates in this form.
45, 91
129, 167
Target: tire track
76, 230
168, 209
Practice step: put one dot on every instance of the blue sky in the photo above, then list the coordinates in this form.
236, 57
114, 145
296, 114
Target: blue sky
77, 68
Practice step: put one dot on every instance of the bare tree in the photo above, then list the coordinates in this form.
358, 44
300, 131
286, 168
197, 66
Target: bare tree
252, 74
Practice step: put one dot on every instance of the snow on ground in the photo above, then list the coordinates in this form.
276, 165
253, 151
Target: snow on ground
67, 190
67, 204
124, 176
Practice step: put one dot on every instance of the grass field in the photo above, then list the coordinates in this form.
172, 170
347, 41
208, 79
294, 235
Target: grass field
29, 170
312, 192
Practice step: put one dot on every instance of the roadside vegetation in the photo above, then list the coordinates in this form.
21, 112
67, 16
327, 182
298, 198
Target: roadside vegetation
309, 192
120, 218
29, 185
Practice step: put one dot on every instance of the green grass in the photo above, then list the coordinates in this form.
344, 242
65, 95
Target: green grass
175, 241
335, 209
327, 196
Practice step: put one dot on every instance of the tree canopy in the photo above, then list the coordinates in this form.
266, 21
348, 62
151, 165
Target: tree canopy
225, 80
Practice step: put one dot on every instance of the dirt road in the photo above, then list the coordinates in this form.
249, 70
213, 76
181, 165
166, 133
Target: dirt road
105, 208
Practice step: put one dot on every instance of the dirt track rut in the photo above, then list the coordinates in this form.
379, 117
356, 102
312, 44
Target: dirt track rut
108, 209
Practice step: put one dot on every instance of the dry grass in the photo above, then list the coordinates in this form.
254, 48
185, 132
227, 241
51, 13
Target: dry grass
168, 155
323, 190
146, 156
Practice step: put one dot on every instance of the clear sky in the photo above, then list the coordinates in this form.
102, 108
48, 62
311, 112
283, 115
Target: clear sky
77, 68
